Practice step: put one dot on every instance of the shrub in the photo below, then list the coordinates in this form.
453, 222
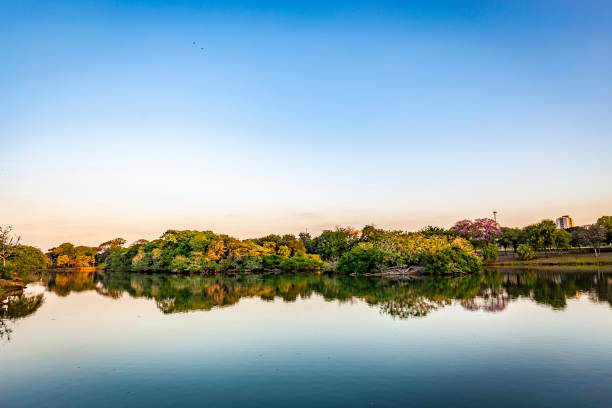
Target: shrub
270, 262
452, 260
228, 264
298, 263
252, 263
6, 272
526, 252
140, 261
179, 263
489, 252
361, 260
117, 261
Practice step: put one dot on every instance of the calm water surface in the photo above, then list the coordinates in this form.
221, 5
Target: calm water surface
504, 338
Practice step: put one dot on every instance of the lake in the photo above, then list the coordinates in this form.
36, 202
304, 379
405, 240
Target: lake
504, 338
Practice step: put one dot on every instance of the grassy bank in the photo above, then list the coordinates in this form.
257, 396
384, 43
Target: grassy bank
8, 286
570, 259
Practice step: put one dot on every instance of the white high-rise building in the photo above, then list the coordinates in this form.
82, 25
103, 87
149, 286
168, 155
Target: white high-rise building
565, 222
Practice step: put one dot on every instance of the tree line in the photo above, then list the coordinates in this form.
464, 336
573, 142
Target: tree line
545, 236
459, 249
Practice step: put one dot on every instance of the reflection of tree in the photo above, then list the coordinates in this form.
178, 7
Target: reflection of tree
186, 293
488, 300
603, 283
17, 307
553, 288
5, 330
490, 291
491, 295
111, 293
21, 306
63, 283
410, 305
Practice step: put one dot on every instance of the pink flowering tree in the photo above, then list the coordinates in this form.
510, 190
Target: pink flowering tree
481, 231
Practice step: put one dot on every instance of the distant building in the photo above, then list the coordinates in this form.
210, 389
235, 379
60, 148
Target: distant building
565, 222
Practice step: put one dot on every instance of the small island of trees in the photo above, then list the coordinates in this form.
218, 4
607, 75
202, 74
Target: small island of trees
370, 250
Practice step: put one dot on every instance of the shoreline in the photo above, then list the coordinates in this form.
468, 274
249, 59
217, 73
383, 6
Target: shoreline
10, 286
569, 259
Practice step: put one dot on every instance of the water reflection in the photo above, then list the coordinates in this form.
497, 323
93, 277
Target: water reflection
17, 306
490, 291
133, 340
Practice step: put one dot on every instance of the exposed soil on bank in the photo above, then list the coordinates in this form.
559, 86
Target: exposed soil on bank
10, 287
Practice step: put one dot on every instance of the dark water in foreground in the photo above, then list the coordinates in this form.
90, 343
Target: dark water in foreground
507, 339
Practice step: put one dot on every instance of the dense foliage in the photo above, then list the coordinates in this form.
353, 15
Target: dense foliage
606, 222
591, 235
362, 260
544, 236
480, 232
205, 251
344, 249
68, 255
489, 252
526, 252
379, 248
23, 259
453, 259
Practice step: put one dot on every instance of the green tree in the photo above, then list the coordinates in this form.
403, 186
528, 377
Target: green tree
452, 260
361, 260
547, 231
66, 249
511, 237
106, 248
431, 230
85, 251
592, 235
26, 258
540, 235
295, 246
330, 245
116, 243
606, 222
306, 239
526, 252
561, 239
489, 252
8, 242
284, 251
140, 242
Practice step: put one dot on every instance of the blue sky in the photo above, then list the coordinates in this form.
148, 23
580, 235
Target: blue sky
300, 115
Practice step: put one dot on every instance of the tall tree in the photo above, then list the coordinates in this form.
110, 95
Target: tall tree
592, 235
606, 222
480, 232
105, 248
140, 242
511, 237
111, 245
561, 239
540, 235
8, 242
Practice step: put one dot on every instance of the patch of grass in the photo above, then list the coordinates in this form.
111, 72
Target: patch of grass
565, 259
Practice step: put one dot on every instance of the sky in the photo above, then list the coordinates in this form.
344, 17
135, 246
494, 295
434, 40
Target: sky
293, 116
